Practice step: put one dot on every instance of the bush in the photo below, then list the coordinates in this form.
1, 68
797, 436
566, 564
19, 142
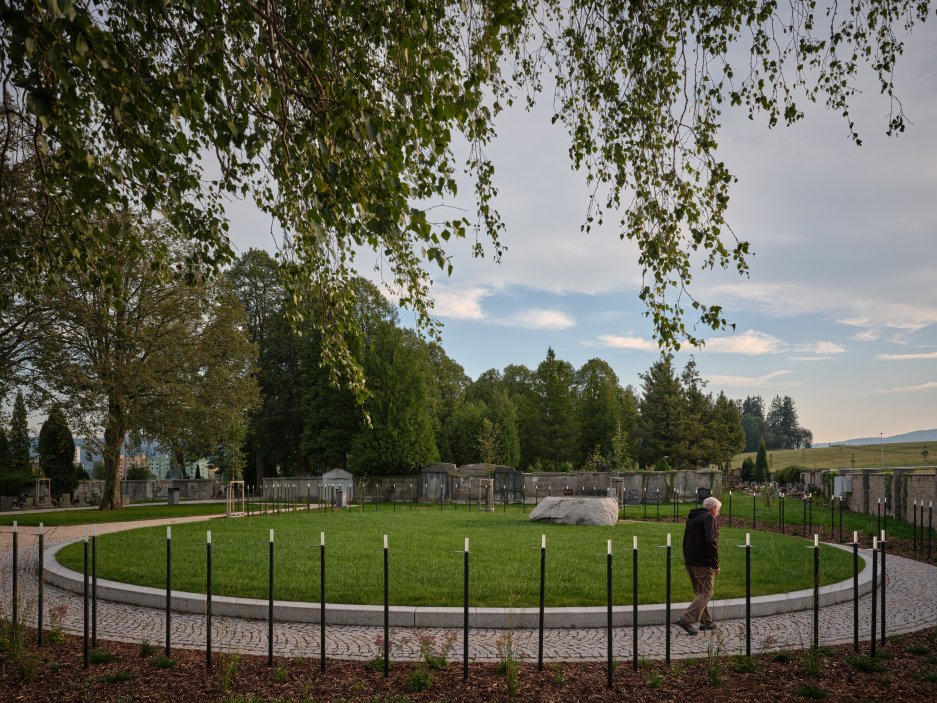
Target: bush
164, 662
100, 656
419, 680
118, 677
789, 474
812, 692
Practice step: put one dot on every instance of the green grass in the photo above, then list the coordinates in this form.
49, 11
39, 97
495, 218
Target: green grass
866, 456
426, 558
794, 517
58, 518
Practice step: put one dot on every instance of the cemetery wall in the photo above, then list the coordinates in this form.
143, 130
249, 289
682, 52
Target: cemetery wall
90, 492
897, 489
446, 482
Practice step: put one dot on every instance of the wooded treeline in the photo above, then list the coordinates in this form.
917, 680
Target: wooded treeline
424, 408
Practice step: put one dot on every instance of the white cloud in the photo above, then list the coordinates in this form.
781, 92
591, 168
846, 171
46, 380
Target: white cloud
461, 304
750, 343
634, 343
930, 385
866, 336
907, 357
764, 381
810, 358
540, 320
822, 348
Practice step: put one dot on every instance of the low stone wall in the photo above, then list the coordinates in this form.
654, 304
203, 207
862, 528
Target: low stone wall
896, 489
515, 486
90, 492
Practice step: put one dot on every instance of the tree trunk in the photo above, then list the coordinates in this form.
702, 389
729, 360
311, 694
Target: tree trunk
114, 433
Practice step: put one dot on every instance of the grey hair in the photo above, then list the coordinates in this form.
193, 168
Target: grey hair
712, 502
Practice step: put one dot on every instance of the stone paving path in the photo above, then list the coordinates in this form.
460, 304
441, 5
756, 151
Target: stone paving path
911, 605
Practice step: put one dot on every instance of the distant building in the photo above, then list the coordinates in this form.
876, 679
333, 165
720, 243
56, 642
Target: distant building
126, 462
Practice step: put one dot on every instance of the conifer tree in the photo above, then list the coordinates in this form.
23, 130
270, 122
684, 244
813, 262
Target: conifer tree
57, 452
19, 438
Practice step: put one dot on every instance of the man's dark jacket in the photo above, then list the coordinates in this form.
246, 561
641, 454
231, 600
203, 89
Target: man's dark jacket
701, 539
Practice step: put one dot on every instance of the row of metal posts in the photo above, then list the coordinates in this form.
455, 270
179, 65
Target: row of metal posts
90, 593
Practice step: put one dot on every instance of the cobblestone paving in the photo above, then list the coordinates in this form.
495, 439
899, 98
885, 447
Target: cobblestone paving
911, 605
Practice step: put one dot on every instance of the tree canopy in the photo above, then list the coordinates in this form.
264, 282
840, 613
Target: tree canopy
339, 119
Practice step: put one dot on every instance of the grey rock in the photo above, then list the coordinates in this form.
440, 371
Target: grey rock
577, 510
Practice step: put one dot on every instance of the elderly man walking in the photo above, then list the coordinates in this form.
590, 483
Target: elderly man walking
701, 557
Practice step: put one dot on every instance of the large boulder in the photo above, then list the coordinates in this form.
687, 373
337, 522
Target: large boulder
577, 510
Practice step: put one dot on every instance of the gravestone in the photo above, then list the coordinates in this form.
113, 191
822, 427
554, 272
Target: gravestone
577, 510
6, 503
702, 494
633, 497
172, 496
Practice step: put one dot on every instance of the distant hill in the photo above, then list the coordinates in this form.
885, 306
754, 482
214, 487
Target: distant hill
916, 436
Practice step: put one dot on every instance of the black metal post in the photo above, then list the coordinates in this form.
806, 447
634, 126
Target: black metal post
730, 509
874, 594
781, 512
878, 523
42, 541
667, 606
94, 589
608, 582
930, 527
832, 517
168, 588
748, 597
270, 605
855, 595
15, 578
657, 516
208, 601
804, 498
883, 547
84, 597
634, 608
810, 513
322, 602
816, 597
840, 520
386, 612
543, 581
465, 616
754, 508
914, 529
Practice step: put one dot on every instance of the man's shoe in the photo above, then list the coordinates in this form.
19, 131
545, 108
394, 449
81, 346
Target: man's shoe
689, 629
710, 626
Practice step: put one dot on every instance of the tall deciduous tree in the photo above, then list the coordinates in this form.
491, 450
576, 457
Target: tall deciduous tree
57, 452
136, 354
598, 408
753, 421
400, 438
335, 126
519, 383
728, 433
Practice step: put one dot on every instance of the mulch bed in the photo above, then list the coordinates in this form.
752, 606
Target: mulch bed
906, 672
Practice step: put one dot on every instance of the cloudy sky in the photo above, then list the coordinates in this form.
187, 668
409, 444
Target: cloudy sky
840, 308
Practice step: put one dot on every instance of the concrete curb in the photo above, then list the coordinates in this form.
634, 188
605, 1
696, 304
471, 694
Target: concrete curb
425, 617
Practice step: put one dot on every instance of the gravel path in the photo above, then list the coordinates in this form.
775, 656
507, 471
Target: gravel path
911, 605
